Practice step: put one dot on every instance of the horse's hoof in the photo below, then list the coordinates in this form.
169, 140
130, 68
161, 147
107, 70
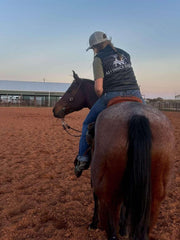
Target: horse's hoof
123, 232
92, 226
114, 238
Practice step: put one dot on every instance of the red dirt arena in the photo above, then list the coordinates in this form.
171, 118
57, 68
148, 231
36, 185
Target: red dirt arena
40, 198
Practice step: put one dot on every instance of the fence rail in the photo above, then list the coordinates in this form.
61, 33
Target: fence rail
171, 105
164, 105
42, 101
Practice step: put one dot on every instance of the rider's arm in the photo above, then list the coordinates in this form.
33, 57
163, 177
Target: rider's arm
98, 76
99, 86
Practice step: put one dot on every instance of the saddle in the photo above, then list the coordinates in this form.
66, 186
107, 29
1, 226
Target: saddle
119, 99
91, 127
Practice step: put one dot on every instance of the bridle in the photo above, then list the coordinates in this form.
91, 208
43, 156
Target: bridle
65, 126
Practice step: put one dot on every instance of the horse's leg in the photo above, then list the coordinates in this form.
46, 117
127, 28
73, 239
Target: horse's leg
123, 221
159, 187
109, 216
154, 212
157, 198
113, 223
155, 206
94, 223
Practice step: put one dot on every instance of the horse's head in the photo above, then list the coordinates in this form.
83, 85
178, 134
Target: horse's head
72, 100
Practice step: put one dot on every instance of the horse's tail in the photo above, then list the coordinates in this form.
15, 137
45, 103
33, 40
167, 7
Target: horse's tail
137, 178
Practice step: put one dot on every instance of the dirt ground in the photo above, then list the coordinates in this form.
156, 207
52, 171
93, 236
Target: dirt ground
40, 198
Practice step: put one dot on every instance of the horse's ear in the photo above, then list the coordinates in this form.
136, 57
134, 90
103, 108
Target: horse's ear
75, 76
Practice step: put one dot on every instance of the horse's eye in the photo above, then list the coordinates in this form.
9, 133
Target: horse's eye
71, 99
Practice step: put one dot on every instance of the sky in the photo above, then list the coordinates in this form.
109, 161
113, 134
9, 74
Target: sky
47, 39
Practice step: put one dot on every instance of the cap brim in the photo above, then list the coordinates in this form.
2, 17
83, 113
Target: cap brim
88, 48
106, 39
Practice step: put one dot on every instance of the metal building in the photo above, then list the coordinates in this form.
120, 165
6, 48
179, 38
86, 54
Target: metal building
31, 93
177, 97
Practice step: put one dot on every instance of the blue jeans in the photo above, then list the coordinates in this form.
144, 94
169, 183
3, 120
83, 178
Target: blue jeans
98, 107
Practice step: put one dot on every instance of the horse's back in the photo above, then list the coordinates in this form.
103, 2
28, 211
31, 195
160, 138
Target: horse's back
111, 143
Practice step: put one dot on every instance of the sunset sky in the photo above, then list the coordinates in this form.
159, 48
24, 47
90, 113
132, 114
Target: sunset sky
47, 39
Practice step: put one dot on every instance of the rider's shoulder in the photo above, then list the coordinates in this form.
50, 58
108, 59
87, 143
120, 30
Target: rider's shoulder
121, 51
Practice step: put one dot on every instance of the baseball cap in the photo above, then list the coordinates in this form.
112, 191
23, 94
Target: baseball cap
96, 38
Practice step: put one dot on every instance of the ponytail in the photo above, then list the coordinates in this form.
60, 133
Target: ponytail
116, 51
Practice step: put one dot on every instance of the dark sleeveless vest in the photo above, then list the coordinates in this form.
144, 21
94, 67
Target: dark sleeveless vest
118, 72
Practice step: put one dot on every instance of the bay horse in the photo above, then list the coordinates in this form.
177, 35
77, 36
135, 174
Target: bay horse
131, 161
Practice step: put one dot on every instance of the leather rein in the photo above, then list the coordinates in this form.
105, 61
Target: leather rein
65, 126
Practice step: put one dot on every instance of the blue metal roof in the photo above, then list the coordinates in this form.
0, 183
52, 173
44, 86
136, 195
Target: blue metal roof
33, 86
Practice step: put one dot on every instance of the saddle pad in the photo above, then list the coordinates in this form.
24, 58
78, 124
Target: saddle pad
123, 99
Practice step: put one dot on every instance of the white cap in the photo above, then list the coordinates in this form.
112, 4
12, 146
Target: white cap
96, 38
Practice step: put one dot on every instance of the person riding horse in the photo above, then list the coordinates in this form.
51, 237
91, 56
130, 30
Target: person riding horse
133, 152
114, 76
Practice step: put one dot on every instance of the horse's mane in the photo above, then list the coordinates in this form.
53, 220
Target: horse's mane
80, 81
87, 80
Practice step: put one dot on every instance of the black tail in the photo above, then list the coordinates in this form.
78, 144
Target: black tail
137, 178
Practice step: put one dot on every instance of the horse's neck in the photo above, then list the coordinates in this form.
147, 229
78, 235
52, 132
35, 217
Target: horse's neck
89, 93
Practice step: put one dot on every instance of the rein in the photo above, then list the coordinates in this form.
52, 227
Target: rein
66, 127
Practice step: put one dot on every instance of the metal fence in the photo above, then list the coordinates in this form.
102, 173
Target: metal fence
49, 101
166, 105
38, 101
